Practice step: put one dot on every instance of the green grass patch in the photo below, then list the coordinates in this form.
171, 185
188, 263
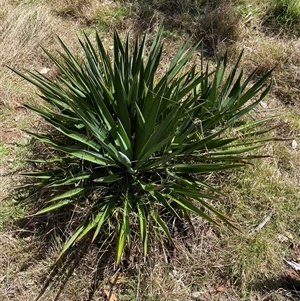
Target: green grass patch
111, 17
285, 15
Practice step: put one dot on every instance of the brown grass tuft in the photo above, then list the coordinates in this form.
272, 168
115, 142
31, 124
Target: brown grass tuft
217, 25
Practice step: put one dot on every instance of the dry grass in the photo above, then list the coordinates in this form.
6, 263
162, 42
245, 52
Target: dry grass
26, 27
22, 31
278, 52
216, 22
216, 264
218, 27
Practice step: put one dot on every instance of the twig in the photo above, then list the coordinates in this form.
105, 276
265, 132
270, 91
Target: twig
263, 223
138, 285
292, 264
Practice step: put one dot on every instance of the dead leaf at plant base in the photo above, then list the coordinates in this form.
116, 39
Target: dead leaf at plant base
220, 289
110, 296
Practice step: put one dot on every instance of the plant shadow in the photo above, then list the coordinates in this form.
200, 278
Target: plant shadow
286, 285
85, 259
93, 264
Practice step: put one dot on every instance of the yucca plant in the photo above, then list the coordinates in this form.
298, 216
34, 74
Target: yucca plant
137, 144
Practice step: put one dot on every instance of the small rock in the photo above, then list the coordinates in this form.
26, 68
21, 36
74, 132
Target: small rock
294, 144
44, 70
282, 238
264, 104
27, 239
196, 295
